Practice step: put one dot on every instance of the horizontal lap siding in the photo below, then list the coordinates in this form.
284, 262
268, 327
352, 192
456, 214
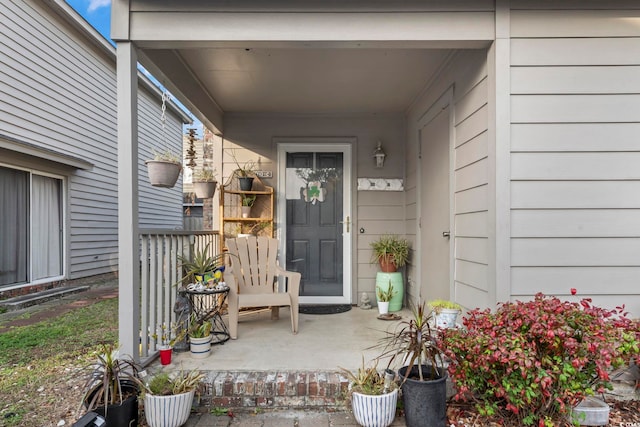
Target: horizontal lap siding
575, 181
59, 92
470, 198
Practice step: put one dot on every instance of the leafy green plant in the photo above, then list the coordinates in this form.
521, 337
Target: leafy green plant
414, 343
393, 245
248, 199
205, 175
367, 380
438, 304
163, 384
199, 328
385, 295
166, 156
529, 362
199, 264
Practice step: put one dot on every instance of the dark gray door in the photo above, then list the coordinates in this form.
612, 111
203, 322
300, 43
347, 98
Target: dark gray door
314, 235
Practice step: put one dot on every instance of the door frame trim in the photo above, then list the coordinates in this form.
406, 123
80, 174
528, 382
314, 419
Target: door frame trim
319, 144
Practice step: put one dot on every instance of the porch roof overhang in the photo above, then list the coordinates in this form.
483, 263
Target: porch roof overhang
304, 57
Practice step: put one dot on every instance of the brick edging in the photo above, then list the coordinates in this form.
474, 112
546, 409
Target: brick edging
274, 389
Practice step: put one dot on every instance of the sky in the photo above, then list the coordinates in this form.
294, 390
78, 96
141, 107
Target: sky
98, 14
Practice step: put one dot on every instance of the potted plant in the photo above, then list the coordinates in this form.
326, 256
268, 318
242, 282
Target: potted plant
244, 172
200, 267
384, 297
164, 169
199, 337
168, 398
415, 346
391, 251
161, 338
204, 183
247, 203
446, 312
373, 396
111, 390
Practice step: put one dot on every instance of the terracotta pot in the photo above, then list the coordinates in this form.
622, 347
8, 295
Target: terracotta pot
387, 265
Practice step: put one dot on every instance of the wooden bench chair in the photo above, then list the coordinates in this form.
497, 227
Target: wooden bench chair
256, 280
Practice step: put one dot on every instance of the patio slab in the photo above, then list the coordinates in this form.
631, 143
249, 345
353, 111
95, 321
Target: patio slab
324, 342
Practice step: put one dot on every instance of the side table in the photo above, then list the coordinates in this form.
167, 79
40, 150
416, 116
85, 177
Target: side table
207, 304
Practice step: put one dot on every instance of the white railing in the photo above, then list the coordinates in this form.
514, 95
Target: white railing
160, 275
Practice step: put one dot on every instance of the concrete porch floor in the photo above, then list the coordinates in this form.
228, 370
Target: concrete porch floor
323, 342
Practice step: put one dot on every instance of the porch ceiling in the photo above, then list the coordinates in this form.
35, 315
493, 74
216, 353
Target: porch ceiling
298, 80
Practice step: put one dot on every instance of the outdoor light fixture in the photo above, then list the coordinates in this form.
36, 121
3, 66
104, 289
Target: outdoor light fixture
379, 155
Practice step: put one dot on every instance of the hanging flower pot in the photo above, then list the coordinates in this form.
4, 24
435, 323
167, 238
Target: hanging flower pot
163, 173
204, 190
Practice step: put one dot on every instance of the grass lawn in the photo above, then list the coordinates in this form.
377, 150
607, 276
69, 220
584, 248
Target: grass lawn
42, 365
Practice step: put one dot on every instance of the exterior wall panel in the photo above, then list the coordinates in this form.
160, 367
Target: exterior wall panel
575, 185
58, 93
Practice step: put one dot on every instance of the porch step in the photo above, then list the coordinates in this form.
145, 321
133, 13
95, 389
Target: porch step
24, 301
274, 390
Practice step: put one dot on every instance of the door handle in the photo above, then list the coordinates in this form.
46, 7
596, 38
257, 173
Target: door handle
347, 222
446, 234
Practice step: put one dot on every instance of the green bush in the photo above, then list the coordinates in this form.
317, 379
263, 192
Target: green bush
529, 362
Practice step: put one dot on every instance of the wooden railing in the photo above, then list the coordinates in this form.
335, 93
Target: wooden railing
160, 276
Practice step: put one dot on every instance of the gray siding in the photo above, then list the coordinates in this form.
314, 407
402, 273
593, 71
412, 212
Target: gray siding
575, 181
58, 92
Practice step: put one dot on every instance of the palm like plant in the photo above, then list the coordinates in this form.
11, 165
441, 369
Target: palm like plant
413, 343
199, 264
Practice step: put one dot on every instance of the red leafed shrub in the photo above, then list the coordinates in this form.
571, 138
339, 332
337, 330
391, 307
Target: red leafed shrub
529, 362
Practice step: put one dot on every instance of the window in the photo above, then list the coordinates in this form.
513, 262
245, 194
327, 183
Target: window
31, 227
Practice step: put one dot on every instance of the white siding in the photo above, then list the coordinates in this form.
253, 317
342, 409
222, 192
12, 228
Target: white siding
575, 181
58, 92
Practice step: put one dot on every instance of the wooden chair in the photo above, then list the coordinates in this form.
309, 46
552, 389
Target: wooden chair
253, 279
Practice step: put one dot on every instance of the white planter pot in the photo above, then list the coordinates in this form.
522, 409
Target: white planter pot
591, 412
446, 318
200, 347
168, 411
374, 411
383, 307
246, 211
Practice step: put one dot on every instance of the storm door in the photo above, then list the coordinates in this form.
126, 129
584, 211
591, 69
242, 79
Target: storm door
317, 224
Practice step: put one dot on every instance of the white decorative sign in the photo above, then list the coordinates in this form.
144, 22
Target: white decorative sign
380, 184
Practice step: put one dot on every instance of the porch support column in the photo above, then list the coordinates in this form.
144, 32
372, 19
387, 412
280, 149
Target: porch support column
128, 279
499, 155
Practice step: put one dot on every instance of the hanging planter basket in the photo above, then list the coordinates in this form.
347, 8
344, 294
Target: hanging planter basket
205, 190
163, 174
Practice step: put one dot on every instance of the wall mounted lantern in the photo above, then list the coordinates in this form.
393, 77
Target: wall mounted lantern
379, 155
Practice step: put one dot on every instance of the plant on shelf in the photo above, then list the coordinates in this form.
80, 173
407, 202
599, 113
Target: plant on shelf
373, 396
200, 266
414, 346
164, 169
446, 312
111, 389
204, 183
391, 251
168, 397
247, 203
529, 362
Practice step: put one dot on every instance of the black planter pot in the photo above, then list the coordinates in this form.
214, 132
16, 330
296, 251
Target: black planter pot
121, 414
246, 182
125, 414
425, 402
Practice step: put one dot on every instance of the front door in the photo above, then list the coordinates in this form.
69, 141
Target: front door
316, 226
